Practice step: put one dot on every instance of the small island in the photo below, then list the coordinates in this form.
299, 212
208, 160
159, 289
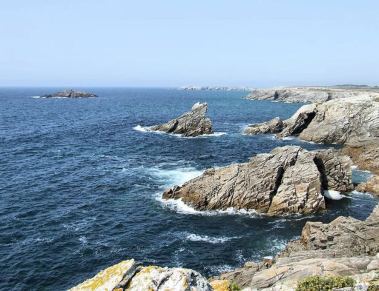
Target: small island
70, 94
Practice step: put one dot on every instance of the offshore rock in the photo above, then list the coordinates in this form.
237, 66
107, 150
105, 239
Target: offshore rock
71, 94
275, 125
287, 180
192, 123
125, 276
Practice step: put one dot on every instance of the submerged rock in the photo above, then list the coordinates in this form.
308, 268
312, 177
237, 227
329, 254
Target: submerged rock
287, 180
71, 94
125, 276
192, 123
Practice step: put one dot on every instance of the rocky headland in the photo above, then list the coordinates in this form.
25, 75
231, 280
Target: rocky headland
312, 94
190, 124
70, 94
216, 88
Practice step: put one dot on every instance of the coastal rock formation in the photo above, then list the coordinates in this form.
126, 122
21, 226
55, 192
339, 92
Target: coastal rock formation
275, 125
71, 94
192, 123
126, 276
310, 94
287, 180
352, 121
344, 247
215, 88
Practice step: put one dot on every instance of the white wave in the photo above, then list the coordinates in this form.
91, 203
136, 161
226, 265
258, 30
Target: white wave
354, 167
208, 239
83, 240
288, 138
142, 128
215, 134
176, 176
37, 97
179, 206
334, 195
221, 268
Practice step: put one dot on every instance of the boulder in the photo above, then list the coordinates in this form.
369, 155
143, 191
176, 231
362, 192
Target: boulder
192, 123
71, 94
287, 180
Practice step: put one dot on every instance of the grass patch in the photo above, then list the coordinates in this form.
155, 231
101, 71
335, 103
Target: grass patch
317, 283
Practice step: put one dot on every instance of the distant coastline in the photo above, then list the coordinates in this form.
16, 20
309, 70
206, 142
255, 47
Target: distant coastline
216, 88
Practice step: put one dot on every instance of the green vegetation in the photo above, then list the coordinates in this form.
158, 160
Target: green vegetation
373, 287
234, 287
317, 283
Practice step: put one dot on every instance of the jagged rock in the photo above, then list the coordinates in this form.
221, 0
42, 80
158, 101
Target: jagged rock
191, 123
346, 246
126, 276
108, 279
366, 157
71, 94
287, 180
275, 125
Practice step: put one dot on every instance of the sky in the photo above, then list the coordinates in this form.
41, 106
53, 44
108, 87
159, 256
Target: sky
169, 43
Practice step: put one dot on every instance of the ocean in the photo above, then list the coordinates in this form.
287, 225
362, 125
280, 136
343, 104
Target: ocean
81, 183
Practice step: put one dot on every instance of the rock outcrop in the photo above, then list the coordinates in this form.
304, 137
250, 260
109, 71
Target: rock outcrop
71, 94
126, 276
344, 247
352, 121
287, 180
190, 124
310, 94
275, 125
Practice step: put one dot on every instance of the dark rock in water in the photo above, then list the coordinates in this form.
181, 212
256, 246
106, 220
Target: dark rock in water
192, 123
71, 94
287, 180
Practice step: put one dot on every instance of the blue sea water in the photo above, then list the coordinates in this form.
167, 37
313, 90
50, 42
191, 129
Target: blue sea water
81, 182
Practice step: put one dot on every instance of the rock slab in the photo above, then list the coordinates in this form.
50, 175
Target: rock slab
190, 124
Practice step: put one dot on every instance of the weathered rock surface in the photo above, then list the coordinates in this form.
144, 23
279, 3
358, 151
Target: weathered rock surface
310, 94
351, 121
287, 180
346, 246
275, 125
371, 186
191, 123
109, 278
126, 276
71, 94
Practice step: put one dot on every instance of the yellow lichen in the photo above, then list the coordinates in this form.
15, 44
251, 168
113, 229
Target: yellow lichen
220, 285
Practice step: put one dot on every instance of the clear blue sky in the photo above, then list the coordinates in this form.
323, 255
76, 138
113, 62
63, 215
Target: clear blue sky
188, 42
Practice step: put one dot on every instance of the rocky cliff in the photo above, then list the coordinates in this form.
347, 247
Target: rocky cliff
311, 94
192, 123
352, 122
286, 180
71, 94
215, 88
